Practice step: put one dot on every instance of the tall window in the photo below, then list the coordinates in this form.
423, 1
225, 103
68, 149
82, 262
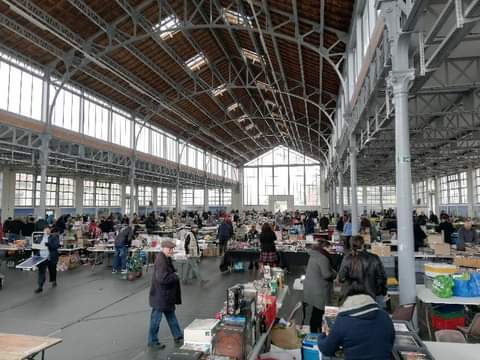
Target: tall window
115, 191
198, 197
145, 195
227, 197
420, 193
51, 194
281, 171
389, 196
88, 193
66, 192
214, 197
162, 196
373, 195
1, 188
173, 197
453, 189
23, 189
187, 197
102, 193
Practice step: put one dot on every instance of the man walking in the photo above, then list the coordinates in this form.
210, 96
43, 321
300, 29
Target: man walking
164, 295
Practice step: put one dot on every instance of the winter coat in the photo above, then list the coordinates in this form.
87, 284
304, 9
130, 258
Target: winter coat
309, 226
324, 222
52, 245
124, 237
225, 232
362, 329
165, 290
370, 273
267, 241
318, 283
191, 245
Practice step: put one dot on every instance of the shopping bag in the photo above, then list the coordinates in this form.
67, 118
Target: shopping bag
443, 286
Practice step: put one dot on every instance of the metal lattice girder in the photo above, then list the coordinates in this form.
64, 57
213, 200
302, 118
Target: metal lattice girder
22, 147
79, 44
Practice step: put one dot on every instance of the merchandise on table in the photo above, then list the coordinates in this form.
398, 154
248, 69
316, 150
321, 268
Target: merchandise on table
434, 269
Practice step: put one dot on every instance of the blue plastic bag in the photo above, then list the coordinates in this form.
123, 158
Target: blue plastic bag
475, 283
462, 288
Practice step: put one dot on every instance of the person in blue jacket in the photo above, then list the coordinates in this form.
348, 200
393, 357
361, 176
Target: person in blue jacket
361, 328
50, 244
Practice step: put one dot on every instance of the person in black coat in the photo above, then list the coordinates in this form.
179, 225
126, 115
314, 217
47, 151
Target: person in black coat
447, 228
324, 222
268, 254
309, 225
419, 236
49, 248
29, 227
340, 224
365, 268
164, 295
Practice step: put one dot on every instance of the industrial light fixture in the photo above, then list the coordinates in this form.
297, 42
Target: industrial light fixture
219, 90
270, 103
233, 107
196, 62
249, 127
252, 56
236, 18
165, 27
257, 136
242, 118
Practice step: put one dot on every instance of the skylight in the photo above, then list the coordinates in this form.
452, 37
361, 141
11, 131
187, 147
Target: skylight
252, 56
235, 18
262, 85
164, 27
233, 107
196, 62
219, 90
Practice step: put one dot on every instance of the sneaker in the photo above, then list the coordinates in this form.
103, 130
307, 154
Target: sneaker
114, 271
178, 341
157, 346
124, 271
54, 284
39, 290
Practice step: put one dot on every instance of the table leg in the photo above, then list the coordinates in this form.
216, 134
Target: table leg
43, 354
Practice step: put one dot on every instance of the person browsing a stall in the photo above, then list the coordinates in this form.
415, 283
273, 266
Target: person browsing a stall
49, 244
467, 234
361, 328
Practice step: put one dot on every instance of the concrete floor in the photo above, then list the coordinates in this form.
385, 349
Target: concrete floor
99, 316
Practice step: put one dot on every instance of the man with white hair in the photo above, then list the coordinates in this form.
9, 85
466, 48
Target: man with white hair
164, 295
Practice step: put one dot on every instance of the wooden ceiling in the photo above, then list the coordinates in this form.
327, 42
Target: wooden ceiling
109, 47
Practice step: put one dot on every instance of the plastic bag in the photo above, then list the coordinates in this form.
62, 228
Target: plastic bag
475, 283
443, 286
461, 285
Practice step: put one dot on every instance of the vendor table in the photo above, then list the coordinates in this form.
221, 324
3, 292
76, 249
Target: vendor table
259, 345
427, 298
449, 351
20, 347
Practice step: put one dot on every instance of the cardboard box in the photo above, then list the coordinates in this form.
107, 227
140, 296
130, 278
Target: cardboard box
435, 239
441, 249
381, 250
200, 331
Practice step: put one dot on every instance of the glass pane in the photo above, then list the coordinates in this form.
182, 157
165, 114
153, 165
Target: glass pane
250, 190
265, 185
281, 180
297, 182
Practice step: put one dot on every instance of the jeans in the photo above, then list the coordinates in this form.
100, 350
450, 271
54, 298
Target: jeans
42, 272
223, 246
120, 259
155, 319
193, 268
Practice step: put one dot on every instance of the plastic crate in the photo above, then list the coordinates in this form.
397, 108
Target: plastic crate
442, 324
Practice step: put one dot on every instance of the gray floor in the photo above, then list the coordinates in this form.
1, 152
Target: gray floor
99, 316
